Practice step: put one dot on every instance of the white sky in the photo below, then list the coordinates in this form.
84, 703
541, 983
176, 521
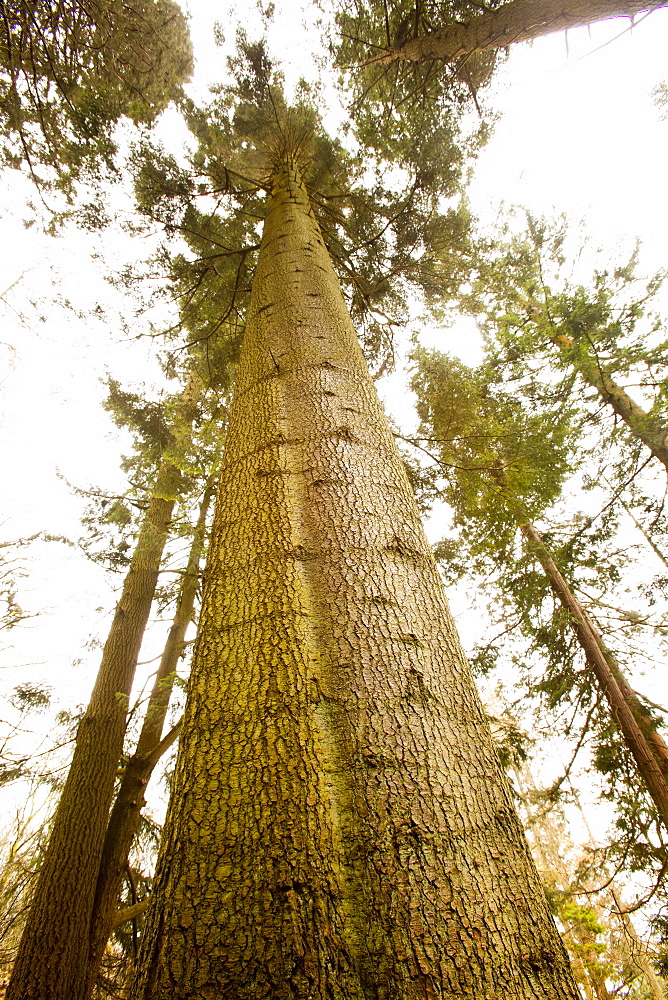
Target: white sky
578, 133
581, 131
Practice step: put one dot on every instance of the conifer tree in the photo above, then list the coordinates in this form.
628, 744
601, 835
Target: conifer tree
601, 337
339, 825
608, 956
53, 952
454, 41
507, 466
69, 71
505, 455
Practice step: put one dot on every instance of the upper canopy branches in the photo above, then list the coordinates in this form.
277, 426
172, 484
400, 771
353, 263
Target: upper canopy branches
387, 215
456, 42
69, 70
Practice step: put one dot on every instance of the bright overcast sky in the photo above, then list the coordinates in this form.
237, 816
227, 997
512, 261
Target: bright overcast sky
578, 133
580, 130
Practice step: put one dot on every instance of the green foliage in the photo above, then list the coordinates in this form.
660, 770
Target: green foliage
144, 417
69, 71
660, 95
660, 926
31, 697
21, 852
503, 463
510, 439
26, 699
409, 110
12, 569
512, 743
383, 215
583, 932
503, 460
182, 429
585, 916
551, 334
11, 612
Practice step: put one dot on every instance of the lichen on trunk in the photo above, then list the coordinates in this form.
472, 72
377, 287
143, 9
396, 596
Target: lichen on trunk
340, 825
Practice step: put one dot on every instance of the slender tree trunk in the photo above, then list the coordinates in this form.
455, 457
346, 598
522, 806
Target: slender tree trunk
649, 751
548, 850
654, 739
645, 427
598, 982
517, 21
579, 970
340, 826
151, 745
593, 987
637, 950
51, 962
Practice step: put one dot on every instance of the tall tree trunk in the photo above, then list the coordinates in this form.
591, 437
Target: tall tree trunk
340, 826
648, 748
51, 962
151, 745
645, 427
517, 21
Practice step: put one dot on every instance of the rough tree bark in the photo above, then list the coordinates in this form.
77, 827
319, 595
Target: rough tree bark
517, 21
151, 745
340, 826
51, 962
648, 748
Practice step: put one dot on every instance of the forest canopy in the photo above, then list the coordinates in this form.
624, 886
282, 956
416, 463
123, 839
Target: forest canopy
249, 431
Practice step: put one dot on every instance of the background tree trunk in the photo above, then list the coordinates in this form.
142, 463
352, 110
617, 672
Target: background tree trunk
650, 755
340, 825
130, 800
52, 958
638, 950
517, 21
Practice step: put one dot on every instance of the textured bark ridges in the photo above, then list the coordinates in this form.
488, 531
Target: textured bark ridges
648, 748
340, 827
151, 745
52, 959
517, 21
